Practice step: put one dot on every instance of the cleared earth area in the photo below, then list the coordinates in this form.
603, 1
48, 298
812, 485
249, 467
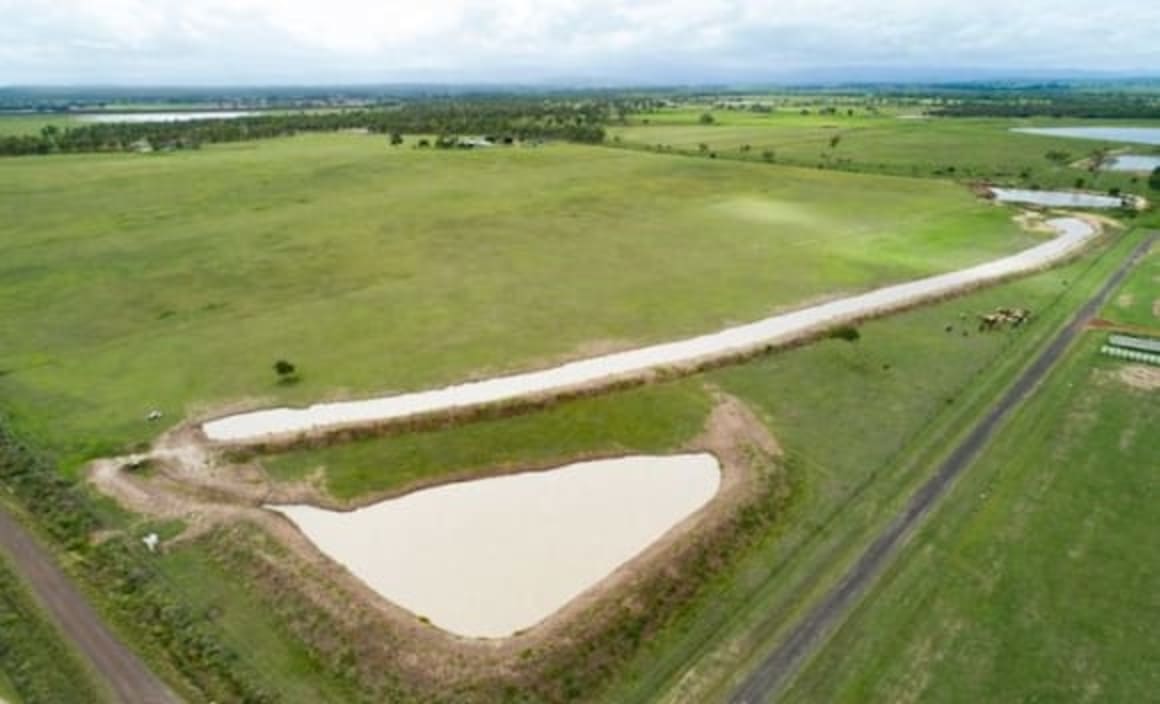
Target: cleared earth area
173, 282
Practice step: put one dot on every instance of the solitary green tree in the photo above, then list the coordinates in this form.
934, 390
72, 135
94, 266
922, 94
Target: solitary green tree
1099, 159
286, 371
707, 118
849, 333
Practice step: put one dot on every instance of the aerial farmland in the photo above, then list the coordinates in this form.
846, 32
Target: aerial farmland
802, 391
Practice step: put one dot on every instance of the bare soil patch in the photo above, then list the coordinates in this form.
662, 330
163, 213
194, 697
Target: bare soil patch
1140, 376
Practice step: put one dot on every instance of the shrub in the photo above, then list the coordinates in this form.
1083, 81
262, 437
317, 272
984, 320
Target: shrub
849, 333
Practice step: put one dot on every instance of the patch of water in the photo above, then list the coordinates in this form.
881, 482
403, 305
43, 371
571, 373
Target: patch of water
1055, 199
1134, 162
1134, 135
491, 557
138, 117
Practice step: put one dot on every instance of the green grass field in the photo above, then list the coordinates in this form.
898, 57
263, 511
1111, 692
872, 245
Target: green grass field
8, 691
949, 148
133, 282
1037, 579
274, 660
1138, 302
31, 124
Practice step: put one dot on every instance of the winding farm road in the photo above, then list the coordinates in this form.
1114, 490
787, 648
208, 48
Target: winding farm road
612, 369
777, 669
124, 674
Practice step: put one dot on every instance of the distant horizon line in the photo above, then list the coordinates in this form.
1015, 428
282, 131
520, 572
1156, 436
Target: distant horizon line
954, 77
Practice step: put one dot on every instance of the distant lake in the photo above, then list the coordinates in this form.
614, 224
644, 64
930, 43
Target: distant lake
1135, 135
1055, 199
1134, 162
162, 116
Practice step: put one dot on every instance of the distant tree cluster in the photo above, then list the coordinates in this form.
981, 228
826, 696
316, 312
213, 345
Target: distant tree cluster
1078, 105
576, 121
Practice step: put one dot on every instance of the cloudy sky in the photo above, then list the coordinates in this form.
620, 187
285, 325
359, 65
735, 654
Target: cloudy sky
610, 41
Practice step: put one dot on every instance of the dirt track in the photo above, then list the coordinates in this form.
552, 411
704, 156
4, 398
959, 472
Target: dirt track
121, 671
780, 666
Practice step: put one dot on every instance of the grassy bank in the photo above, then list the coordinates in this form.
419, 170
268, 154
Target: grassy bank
134, 282
646, 420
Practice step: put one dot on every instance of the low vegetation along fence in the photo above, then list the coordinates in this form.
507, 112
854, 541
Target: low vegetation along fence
134, 591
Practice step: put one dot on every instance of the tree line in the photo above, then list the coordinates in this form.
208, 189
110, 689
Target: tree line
575, 121
1101, 106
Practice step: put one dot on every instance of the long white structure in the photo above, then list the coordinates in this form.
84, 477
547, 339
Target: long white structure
258, 426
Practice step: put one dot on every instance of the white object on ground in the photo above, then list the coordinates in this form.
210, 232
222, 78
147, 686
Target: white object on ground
151, 541
143, 117
257, 426
490, 557
1133, 162
1136, 135
1056, 199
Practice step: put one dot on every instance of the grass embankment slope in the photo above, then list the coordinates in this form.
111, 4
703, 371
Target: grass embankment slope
36, 664
962, 148
133, 282
1037, 580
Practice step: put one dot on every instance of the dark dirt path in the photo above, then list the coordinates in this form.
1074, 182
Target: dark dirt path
776, 670
120, 670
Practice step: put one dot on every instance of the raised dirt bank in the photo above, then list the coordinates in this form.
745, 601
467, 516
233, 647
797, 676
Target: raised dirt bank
610, 370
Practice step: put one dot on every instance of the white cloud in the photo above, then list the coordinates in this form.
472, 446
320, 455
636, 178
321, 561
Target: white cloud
184, 41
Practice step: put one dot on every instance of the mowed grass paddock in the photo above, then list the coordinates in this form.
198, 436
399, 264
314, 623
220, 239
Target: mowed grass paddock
174, 281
